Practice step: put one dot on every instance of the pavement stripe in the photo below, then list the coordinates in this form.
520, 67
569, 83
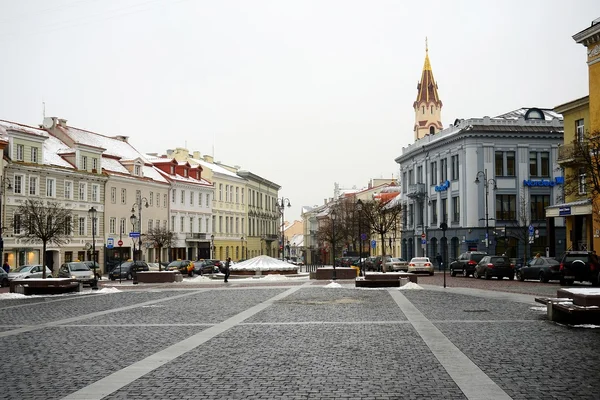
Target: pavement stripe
30, 328
474, 383
125, 376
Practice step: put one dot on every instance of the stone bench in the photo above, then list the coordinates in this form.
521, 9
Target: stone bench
573, 306
159, 276
45, 286
387, 279
340, 273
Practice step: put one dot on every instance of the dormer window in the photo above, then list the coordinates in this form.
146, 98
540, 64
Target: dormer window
185, 173
20, 151
34, 154
137, 170
84, 163
534, 113
172, 170
94, 164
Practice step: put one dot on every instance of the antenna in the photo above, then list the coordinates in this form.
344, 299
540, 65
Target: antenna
43, 109
213, 146
426, 46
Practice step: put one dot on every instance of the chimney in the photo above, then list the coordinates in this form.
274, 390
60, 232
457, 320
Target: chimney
62, 122
169, 153
122, 138
208, 158
196, 155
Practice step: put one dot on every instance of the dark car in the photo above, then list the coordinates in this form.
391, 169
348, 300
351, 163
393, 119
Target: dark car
370, 263
579, 266
4, 278
185, 267
202, 267
466, 263
128, 269
542, 268
498, 266
349, 261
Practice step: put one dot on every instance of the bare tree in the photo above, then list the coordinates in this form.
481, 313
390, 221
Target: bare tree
49, 223
161, 237
381, 218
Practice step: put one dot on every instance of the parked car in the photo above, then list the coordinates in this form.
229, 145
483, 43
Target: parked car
466, 263
518, 263
202, 267
77, 270
128, 269
579, 266
396, 264
349, 261
542, 268
4, 278
498, 266
91, 264
29, 271
185, 267
370, 263
420, 264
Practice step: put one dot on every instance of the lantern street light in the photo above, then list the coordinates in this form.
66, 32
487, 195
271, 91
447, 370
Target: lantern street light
241, 248
359, 207
333, 216
281, 204
212, 247
134, 221
486, 183
92, 214
4, 184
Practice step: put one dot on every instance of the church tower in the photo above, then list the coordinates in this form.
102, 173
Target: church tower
428, 106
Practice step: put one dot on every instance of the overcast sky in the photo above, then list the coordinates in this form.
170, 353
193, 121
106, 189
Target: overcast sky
303, 93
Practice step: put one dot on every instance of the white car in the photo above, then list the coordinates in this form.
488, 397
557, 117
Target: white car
420, 264
29, 271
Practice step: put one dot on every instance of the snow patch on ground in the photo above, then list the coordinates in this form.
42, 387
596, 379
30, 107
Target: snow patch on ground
539, 308
587, 326
410, 286
333, 285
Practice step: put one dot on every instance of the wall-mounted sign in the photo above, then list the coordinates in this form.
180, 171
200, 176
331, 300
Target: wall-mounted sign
559, 180
442, 187
564, 210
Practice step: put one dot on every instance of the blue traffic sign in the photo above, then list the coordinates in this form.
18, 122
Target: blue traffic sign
423, 241
134, 234
363, 236
373, 243
530, 228
110, 243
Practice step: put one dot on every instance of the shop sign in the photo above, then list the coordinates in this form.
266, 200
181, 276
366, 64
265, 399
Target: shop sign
442, 187
564, 210
559, 180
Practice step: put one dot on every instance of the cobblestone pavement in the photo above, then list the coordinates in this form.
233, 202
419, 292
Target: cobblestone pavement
296, 340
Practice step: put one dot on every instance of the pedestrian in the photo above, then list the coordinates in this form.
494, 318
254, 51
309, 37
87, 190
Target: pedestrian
226, 268
6, 267
440, 261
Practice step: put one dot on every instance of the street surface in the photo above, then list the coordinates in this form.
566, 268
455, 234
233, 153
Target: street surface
296, 339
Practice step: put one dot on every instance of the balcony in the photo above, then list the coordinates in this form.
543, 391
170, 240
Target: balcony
572, 153
416, 190
196, 236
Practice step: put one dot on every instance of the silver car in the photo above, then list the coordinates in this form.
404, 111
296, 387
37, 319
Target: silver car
29, 271
77, 270
420, 264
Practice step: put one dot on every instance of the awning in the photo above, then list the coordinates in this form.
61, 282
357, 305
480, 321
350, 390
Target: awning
579, 207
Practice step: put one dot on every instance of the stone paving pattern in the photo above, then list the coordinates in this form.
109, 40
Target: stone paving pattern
317, 343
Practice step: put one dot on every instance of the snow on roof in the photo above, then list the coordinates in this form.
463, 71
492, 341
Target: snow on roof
549, 115
13, 126
53, 147
263, 263
216, 168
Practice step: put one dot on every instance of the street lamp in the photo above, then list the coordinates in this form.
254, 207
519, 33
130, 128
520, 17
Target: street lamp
134, 221
212, 247
359, 207
92, 214
333, 215
486, 183
242, 248
281, 204
139, 203
3, 181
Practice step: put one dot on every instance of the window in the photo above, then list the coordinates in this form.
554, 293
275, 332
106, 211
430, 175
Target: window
582, 181
34, 154
17, 224
182, 222
112, 225
68, 226
173, 196
455, 167
432, 109
434, 173
220, 192
191, 224
419, 174
423, 109
227, 193
207, 200
151, 198
20, 152
165, 201
122, 225
237, 194
226, 224
94, 164
510, 163
444, 210
579, 130
434, 212
81, 230
18, 186
538, 206
411, 211
82, 191
183, 197
191, 198
94, 226
533, 165
199, 199
220, 224
68, 190
545, 163
200, 224
113, 195
50, 187
506, 207
456, 209
242, 195
137, 170
173, 224
444, 171
33, 185
96, 193
123, 196
149, 225
411, 178
499, 155
84, 163
432, 130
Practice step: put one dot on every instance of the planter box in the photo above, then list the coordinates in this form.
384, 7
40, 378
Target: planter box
340, 273
45, 286
159, 277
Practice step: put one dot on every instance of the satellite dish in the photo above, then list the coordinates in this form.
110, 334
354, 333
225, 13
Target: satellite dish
48, 123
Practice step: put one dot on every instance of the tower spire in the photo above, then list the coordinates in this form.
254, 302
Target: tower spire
428, 105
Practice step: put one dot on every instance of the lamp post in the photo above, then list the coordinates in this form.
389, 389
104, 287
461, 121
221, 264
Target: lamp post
333, 215
139, 203
443, 227
3, 181
92, 214
281, 204
242, 248
359, 207
212, 247
486, 183
134, 221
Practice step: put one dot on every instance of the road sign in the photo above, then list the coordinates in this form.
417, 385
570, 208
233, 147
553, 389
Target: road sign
363, 236
531, 229
134, 234
110, 243
423, 236
373, 243
120, 243
423, 241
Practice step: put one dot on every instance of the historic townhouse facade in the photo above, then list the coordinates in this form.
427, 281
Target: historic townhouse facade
136, 193
488, 179
43, 167
190, 213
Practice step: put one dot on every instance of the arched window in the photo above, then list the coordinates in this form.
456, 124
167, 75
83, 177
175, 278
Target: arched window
423, 109
432, 109
431, 130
